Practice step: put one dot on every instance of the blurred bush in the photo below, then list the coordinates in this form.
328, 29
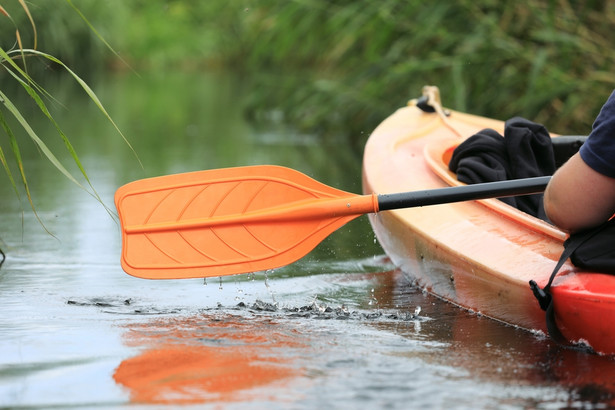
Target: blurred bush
341, 66
355, 61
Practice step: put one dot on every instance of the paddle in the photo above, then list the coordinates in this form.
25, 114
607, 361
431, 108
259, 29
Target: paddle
246, 219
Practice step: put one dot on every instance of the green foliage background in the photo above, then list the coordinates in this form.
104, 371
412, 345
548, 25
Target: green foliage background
341, 66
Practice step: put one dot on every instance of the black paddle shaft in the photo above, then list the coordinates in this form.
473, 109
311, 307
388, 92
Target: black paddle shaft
499, 189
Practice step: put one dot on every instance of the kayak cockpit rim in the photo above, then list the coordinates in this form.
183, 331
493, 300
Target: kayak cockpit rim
438, 152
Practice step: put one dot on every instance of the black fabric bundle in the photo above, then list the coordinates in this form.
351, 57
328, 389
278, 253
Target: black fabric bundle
524, 151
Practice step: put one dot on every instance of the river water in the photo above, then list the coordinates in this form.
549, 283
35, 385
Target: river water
338, 329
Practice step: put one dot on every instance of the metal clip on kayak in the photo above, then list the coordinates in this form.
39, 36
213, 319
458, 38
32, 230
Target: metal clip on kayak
430, 102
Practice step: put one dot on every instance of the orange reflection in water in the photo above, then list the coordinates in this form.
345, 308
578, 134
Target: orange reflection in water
199, 360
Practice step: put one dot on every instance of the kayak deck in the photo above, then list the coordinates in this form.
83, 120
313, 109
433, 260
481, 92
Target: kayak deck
479, 254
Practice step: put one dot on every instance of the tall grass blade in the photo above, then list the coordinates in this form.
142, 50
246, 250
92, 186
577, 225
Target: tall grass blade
7, 169
19, 72
4, 57
39, 142
20, 44
66, 141
90, 94
27, 11
80, 81
19, 161
101, 38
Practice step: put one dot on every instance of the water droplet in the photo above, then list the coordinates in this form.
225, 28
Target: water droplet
220, 283
373, 301
204, 281
417, 311
271, 292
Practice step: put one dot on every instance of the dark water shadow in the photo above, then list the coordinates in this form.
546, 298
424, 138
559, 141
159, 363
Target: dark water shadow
492, 351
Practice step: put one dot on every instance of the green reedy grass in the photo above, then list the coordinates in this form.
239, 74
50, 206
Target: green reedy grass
357, 61
341, 66
14, 65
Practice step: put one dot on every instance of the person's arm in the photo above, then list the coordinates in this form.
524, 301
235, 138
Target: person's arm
578, 197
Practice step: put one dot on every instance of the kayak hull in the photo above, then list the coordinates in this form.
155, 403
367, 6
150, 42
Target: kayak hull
479, 255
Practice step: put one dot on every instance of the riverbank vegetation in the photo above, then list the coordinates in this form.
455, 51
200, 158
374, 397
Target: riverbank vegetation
342, 66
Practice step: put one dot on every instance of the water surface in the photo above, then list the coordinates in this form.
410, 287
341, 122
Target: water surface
340, 328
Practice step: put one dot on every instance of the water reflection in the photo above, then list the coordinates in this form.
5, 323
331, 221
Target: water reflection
207, 359
259, 352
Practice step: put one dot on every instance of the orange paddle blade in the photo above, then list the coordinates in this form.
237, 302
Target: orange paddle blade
228, 221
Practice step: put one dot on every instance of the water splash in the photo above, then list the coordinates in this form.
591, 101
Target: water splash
316, 310
269, 289
373, 301
240, 292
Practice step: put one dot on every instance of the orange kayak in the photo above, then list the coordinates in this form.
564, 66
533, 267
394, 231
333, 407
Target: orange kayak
479, 255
